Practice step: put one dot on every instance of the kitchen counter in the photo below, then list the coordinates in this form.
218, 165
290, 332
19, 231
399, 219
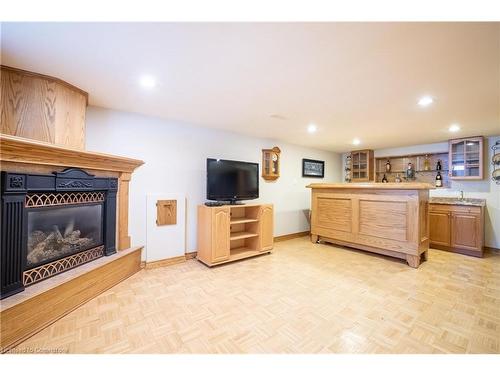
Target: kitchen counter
458, 202
390, 219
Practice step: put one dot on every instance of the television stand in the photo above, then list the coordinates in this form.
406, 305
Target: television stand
233, 232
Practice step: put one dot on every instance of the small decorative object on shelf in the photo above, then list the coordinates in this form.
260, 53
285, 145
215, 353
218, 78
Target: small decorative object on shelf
427, 163
410, 172
439, 180
384, 179
438, 165
398, 178
313, 168
388, 166
495, 160
271, 163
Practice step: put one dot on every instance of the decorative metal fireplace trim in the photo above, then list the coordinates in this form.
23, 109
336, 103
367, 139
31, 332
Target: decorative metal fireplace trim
45, 271
22, 192
58, 199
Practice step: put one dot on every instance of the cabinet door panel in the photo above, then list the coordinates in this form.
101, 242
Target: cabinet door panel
439, 228
465, 231
220, 234
266, 228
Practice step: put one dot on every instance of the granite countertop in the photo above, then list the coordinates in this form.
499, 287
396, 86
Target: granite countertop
458, 201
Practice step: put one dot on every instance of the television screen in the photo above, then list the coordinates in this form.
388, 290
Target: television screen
230, 180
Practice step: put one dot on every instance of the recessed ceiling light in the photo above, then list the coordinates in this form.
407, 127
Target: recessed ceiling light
311, 128
454, 128
356, 141
425, 101
147, 81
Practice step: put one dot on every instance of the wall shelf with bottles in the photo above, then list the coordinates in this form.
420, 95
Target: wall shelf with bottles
424, 167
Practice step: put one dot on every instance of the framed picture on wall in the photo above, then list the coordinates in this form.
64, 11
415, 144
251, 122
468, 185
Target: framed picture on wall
313, 168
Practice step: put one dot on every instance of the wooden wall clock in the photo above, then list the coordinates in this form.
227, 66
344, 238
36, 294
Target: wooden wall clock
271, 163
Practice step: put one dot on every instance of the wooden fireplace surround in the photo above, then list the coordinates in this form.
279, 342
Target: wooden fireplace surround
42, 130
20, 154
22, 316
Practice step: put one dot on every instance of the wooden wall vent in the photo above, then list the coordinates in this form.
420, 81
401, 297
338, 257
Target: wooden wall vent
166, 212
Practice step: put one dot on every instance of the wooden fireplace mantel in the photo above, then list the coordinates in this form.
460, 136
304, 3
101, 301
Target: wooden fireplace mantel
27, 151
22, 150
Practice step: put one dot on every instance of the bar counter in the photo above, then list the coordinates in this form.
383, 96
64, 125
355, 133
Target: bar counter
389, 219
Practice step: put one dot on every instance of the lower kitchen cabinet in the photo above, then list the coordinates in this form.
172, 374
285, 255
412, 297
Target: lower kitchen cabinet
457, 228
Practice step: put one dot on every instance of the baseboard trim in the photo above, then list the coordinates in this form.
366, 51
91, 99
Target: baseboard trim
472, 253
291, 236
165, 262
489, 248
191, 255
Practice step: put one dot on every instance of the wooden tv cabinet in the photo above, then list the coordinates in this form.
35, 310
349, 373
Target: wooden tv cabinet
232, 232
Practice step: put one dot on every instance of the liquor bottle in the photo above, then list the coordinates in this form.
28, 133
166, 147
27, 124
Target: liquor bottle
410, 172
427, 163
398, 178
439, 180
388, 166
438, 165
384, 179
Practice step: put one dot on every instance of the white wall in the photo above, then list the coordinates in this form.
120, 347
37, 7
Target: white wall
175, 162
484, 189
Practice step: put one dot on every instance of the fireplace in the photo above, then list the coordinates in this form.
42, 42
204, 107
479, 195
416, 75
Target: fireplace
52, 223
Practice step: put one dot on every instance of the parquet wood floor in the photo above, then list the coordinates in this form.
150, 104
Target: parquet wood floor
303, 298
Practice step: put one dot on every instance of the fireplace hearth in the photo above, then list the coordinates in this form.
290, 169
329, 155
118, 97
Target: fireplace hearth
52, 223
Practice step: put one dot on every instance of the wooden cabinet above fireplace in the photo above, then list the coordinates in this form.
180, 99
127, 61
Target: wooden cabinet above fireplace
42, 108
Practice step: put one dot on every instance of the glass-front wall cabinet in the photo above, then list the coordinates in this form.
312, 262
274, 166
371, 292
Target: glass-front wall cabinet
466, 158
362, 166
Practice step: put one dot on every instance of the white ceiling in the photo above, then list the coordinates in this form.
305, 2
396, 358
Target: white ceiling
351, 79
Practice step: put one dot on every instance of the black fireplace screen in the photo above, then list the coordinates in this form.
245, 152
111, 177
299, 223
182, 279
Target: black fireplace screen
57, 232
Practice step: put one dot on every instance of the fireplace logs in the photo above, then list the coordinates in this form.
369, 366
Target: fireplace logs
43, 246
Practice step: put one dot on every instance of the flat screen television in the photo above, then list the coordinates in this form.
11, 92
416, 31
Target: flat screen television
231, 180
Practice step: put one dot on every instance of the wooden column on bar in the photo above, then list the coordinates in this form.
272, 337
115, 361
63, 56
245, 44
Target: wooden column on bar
123, 237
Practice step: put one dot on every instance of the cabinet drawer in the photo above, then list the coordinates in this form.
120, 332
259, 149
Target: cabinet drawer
454, 208
467, 209
439, 207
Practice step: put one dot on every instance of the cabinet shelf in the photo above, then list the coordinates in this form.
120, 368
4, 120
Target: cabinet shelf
241, 235
422, 171
242, 220
419, 161
242, 252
